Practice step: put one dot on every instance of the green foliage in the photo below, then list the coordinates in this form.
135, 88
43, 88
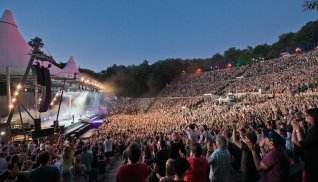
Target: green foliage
310, 5
245, 58
86, 71
36, 42
146, 80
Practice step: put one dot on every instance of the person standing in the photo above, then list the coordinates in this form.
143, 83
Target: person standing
198, 165
45, 171
308, 143
86, 158
180, 168
249, 171
108, 148
177, 146
192, 133
133, 170
205, 135
220, 161
160, 160
274, 164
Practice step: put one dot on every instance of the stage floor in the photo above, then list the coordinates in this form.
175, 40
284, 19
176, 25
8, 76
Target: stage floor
65, 122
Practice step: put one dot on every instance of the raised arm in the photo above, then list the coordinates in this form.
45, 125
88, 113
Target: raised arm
260, 166
234, 138
297, 134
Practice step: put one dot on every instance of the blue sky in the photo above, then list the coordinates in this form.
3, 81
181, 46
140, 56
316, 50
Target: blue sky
99, 33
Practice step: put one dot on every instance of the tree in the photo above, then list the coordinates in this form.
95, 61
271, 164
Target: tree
310, 5
232, 54
37, 41
260, 50
89, 72
148, 79
245, 57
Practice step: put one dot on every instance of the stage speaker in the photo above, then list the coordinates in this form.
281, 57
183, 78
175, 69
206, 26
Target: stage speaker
42, 133
62, 129
39, 74
37, 124
47, 99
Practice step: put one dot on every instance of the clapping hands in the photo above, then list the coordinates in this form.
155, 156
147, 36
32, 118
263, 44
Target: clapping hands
295, 124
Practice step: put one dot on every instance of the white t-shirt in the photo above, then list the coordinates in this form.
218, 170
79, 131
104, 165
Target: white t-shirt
108, 145
193, 135
204, 135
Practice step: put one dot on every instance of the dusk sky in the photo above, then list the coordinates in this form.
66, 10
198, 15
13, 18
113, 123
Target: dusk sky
105, 32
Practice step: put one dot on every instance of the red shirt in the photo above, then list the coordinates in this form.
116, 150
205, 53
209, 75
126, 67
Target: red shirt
132, 172
198, 170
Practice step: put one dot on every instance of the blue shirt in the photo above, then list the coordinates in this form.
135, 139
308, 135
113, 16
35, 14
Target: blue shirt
220, 162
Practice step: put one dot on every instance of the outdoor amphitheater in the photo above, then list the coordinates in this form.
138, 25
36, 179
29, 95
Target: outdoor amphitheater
252, 122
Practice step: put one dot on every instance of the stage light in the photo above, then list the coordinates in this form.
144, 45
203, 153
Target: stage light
52, 104
25, 90
2, 133
82, 79
16, 93
19, 86
11, 106
14, 99
298, 50
197, 71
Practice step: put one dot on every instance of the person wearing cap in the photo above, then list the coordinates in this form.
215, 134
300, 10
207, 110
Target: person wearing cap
308, 143
274, 164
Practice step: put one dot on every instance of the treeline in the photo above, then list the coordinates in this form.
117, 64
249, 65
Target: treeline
147, 80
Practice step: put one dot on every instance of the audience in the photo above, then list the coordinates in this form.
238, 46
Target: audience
266, 136
220, 161
133, 170
198, 170
45, 171
308, 141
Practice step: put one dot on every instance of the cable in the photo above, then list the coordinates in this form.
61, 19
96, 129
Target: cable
48, 51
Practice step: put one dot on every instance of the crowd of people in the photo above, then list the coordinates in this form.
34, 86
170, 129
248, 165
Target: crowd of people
126, 105
197, 84
267, 138
290, 74
61, 159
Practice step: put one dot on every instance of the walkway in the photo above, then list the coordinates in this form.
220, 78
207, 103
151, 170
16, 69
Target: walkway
112, 172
